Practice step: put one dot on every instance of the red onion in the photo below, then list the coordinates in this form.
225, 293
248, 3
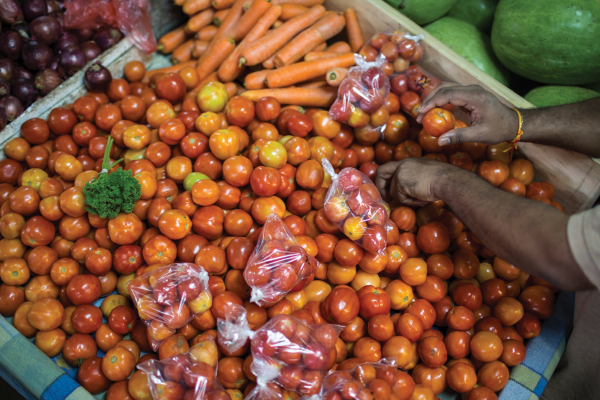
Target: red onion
83, 34
53, 6
33, 9
24, 90
72, 59
4, 87
59, 17
65, 39
47, 80
45, 29
12, 106
10, 11
10, 44
22, 72
55, 65
36, 55
2, 119
107, 37
8, 69
23, 29
97, 78
90, 50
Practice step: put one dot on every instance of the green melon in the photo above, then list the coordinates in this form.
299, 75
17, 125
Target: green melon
470, 43
547, 96
549, 41
423, 11
476, 12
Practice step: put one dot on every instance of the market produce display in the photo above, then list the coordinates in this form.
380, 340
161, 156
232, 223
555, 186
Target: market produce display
546, 96
222, 180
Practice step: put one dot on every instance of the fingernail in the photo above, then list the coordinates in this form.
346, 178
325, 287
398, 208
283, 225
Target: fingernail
444, 141
420, 108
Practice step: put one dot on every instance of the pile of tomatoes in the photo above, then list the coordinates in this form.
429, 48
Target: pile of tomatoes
213, 166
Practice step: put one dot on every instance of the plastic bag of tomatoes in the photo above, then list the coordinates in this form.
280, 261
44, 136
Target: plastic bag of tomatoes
278, 265
169, 297
355, 206
286, 352
191, 375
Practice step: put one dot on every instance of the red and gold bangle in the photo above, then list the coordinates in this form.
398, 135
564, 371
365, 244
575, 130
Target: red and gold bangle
513, 144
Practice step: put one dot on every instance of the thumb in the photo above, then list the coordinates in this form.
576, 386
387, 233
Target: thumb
460, 135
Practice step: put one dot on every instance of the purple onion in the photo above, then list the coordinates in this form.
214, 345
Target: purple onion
107, 37
10, 12
46, 29
23, 29
12, 106
72, 59
59, 16
47, 80
55, 65
65, 39
36, 55
90, 50
11, 44
97, 78
22, 72
8, 69
83, 34
2, 119
33, 9
53, 6
24, 90
4, 87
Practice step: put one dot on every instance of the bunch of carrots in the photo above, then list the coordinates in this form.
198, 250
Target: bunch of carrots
264, 48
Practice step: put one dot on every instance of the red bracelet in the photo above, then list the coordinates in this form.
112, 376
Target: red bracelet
518, 137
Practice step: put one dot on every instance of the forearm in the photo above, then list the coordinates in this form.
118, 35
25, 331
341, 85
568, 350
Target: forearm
571, 126
526, 233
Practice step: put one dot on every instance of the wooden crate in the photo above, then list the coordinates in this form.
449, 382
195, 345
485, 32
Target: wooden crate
576, 177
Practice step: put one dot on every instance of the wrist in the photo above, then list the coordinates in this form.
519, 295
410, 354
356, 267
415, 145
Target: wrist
512, 126
444, 179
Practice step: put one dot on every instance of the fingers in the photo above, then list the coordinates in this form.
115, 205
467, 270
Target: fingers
384, 173
459, 96
454, 136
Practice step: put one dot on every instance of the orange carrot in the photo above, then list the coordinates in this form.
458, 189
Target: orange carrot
168, 42
269, 63
191, 7
307, 97
200, 47
231, 89
268, 45
220, 16
354, 34
230, 68
324, 29
315, 84
305, 3
317, 55
210, 78
179, 2
277, 24
256, 80
166, 70
239, 88
183, 52
256, 10
302, 71
227, 24
339, 47
321, 47
289, 11
200, 20
207, 33
336, 75
222, 4
215, 56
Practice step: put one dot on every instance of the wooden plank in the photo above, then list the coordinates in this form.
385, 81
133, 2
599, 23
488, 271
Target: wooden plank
576, 177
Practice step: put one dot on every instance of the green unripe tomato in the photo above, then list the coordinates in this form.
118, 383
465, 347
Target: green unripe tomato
213, 97
192, 178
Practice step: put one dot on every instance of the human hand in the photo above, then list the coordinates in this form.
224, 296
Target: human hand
411, 181
491, 121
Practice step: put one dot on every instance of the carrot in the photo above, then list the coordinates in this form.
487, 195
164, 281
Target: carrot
302, 71
220, 16
166, 70
227, 24
239, 88
168, 42
354, 34
277, 24
191, 7
231, 89
317, 55
289, 11
207, 33
215, 56
222, 4
305, 3
230, 68
324, 29
183, 52
256, 10
256, 80
268, 45
315, 84
321, 47
200, 20
210, 78
200, 47
179, 2
269, 63
336, 75
340, 47
307, 97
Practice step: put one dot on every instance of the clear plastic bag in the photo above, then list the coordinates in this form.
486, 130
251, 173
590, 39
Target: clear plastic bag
169, 297
355, 206
278, 265
362, 93
285, 351
132, 17
191, 375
